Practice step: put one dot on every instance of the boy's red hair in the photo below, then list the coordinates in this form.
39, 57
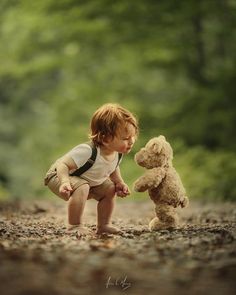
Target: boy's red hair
108, 119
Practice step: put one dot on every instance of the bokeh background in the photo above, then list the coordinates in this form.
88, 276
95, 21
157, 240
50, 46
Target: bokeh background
172, 63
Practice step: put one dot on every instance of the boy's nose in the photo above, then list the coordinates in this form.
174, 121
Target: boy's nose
131, 141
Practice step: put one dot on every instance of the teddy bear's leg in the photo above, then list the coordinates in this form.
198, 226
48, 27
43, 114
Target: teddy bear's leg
167, 215
166, 218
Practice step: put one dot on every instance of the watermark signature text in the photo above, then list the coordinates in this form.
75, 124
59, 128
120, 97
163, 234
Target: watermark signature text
121, 282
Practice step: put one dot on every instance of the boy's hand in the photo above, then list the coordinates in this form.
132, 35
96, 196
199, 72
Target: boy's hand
122, 189
65, 189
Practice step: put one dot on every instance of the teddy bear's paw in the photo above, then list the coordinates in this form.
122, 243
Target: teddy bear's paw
184, 202
170, 222
139, 186
136, 187
155, 225
172, 202
162, 226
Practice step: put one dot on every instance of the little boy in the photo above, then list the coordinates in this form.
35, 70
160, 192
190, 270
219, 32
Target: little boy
113, 133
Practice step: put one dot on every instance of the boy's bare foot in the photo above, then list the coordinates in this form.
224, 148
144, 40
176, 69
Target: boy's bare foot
107, 229
79, 229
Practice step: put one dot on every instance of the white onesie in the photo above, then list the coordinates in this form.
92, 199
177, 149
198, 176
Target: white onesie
101, 168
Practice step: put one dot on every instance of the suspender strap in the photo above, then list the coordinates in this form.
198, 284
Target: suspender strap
119, 159
89, 163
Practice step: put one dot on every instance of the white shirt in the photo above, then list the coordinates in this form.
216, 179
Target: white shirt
101, 168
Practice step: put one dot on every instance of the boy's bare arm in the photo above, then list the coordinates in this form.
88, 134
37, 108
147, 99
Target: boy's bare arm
64, 166
116, 176
122, 189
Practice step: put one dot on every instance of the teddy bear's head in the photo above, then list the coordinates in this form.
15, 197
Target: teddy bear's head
156, 153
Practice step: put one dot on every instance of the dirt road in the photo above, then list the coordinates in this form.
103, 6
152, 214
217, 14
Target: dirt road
38, 256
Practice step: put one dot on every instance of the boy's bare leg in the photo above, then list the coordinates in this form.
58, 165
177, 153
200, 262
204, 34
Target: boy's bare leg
76, 208
104, 211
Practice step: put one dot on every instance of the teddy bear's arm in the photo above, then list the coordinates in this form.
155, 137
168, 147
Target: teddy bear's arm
140, 184
151, 178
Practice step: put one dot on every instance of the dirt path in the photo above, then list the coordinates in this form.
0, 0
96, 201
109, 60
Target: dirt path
37, 256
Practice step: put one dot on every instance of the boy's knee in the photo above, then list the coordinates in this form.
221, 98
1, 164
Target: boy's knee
82, 190
111, 191
106, 191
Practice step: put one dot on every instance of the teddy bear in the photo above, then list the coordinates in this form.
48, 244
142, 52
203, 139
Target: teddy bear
163, 183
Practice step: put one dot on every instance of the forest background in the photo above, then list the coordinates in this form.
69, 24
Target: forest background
173, 63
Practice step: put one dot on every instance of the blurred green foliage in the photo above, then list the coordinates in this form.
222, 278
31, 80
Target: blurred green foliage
173, 63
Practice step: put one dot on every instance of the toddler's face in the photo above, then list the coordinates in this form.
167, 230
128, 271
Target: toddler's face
124, 140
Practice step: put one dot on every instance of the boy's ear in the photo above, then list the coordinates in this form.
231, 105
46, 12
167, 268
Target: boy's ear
106, 140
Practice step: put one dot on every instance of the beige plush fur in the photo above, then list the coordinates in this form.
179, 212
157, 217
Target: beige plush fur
162, 182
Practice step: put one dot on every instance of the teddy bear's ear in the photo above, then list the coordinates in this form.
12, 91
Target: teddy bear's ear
156, 146
162, 137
